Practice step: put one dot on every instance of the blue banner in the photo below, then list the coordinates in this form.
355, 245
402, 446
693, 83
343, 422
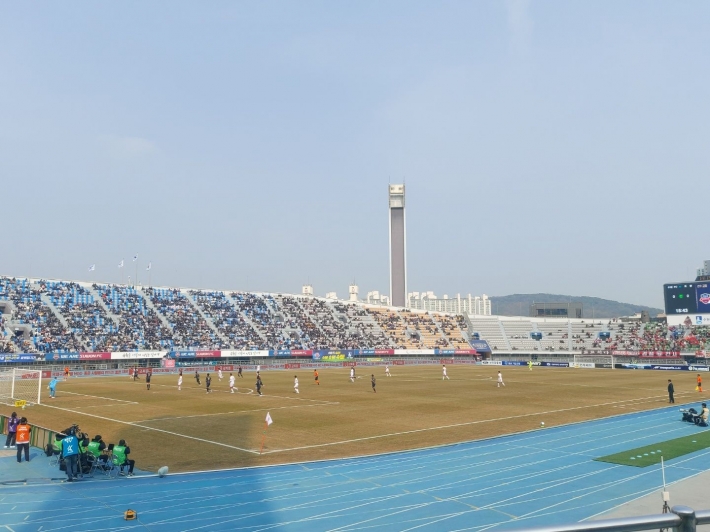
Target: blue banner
183, 354
555, 364
515, 363
480, 345
49, 357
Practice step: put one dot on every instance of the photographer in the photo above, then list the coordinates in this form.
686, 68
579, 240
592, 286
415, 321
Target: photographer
121, 452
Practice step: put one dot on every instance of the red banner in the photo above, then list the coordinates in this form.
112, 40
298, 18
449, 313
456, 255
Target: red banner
94, 356
208, 354
446, 361
465, 352
398, 362
292, 366
384, 351
301, 352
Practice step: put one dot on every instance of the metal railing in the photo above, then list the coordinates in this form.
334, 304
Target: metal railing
681, 518
39, 436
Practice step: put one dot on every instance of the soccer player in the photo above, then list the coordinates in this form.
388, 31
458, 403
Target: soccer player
135, 373
259, 384
147, 379
315, 375
219, 373
52, 387
258, 369
500, 380
352, 374
700, 383
530, 364
180, 381
231, 382
295, 384
239, 372
197, 377
66, 373
208, 383
445, 376
373, 383
387, 370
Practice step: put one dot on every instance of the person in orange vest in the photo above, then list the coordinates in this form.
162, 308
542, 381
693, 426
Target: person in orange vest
315, 374
23, 440
66, 373
700, 383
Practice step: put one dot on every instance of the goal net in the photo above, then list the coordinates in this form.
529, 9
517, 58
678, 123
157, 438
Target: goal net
592, 361
20, 385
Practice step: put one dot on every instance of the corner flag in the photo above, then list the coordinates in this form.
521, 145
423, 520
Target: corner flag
269, 421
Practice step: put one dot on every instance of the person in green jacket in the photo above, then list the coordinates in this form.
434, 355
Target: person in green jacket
120, 455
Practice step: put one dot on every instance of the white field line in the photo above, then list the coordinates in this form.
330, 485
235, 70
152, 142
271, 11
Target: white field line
454, 425
100, 397
227, 413
153, 429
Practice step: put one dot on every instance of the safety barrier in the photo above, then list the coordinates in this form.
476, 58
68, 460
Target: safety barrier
39, 436
682, 518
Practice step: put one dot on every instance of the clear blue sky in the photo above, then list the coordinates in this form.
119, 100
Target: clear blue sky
546, 146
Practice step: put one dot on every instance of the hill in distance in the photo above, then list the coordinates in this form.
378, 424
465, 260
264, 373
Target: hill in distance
519, 305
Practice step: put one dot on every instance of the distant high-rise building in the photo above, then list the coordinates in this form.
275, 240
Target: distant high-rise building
455, 305
398, 247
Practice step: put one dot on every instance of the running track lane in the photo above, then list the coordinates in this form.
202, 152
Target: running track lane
531, 479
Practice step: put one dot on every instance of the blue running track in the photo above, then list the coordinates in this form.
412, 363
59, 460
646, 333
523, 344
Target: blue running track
531, 479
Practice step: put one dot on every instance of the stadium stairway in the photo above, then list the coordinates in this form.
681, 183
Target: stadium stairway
246, 317
208, 320
150, 305
97, 297
505, 336
47, 301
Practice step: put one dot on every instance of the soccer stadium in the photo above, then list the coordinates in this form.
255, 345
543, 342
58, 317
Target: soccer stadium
185, 186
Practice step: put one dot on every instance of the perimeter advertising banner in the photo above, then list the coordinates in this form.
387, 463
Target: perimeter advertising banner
135, 355
244, 353
20, 357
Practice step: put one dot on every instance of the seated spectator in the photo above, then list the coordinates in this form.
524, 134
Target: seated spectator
96, 447
120, 455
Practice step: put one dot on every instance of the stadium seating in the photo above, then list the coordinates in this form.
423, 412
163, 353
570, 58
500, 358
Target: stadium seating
58, 316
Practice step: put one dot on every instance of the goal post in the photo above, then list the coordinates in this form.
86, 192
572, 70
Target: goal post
18, 384
592, 360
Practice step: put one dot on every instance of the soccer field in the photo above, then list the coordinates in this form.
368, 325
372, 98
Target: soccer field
190, 430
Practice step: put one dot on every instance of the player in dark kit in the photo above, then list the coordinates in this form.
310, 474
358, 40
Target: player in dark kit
147, 380
259, 384
197, 377
239, 372
208, 382
373, 383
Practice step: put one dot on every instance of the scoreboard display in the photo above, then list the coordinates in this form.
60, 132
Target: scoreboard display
687, 298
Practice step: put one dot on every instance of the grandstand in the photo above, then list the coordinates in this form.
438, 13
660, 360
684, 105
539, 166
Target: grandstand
40, 316
50, 316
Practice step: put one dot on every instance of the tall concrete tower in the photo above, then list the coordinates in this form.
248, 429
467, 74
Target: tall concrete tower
398, 247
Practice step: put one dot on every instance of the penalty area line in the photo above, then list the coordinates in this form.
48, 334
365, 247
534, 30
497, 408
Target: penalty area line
153, 429
100, 397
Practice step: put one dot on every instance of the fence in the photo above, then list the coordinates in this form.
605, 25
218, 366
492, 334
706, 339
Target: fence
682, 518
39, 436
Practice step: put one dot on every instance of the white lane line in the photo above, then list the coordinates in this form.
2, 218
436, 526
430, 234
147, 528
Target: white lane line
154, 429
455, 425
99, 397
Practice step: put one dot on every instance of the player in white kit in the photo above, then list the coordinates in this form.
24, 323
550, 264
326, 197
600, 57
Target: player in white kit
445, 376
231, 383
352, 374
500, 380
387, 370
180, 381
295, 384
219, 373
